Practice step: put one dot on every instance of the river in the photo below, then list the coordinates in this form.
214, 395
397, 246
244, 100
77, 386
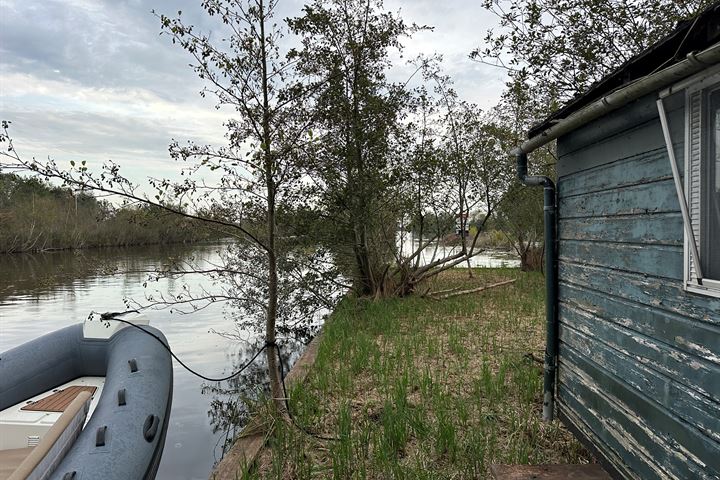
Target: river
40, 293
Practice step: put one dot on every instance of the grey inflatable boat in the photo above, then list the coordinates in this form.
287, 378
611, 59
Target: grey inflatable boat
89, 401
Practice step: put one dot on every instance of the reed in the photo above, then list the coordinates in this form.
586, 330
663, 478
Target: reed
36, 216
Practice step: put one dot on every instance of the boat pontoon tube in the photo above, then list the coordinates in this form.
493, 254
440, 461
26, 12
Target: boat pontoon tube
124, 438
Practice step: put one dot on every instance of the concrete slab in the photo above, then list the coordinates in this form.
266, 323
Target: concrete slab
591, 471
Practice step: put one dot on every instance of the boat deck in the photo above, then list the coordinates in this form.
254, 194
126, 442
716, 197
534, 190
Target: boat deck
24, 424
58, 401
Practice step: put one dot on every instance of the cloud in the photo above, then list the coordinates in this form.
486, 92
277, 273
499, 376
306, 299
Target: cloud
459, 26
112, 44
94, 80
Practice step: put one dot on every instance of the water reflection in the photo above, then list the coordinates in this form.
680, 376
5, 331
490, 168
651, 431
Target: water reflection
233, 401
40, 293
436, 250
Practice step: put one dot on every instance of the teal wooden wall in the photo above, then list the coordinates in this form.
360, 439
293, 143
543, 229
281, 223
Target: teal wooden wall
639, 358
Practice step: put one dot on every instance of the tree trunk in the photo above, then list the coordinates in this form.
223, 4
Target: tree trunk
362, 257
271, 350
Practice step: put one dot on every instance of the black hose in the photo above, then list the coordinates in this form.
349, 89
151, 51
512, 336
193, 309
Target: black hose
113, 316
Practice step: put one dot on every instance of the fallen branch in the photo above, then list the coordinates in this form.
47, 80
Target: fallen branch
472, 290
441, 292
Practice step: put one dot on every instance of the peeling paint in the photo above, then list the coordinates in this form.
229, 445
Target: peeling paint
640, 356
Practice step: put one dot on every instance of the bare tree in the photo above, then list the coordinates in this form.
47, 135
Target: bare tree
457, 168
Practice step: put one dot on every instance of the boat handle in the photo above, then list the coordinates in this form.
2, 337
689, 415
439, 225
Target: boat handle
133, 365
121, 397
100, 436
150, 428
69, 475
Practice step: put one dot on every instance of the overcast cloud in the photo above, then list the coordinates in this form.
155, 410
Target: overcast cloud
93, 80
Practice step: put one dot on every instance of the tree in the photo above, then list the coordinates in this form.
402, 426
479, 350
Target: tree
262, 168
520, 213
562, 47
357, 115
456, 168
520, 218
262, 171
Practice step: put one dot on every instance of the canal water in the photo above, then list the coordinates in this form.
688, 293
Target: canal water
40, 293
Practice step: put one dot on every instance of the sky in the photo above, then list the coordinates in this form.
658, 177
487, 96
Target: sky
93, 80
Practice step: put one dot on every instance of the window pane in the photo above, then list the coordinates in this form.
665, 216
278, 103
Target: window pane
710, 255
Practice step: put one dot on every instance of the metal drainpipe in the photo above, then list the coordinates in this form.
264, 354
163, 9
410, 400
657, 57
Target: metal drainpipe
551, 339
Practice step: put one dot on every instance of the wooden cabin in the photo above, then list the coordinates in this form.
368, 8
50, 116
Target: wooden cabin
638, 259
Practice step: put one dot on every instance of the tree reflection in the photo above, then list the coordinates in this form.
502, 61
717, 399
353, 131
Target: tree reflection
236, 400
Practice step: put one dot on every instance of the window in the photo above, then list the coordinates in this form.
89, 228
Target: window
702, 185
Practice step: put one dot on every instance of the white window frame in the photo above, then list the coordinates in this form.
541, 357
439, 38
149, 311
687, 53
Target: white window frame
707, 79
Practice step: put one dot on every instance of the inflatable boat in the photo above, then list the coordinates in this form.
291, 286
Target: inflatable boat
89, 401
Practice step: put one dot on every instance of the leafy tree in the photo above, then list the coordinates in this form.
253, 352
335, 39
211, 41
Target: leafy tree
562, 47
456, 168
357, 113
520, 218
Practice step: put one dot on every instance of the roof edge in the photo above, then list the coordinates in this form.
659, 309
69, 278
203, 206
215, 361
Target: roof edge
693, 63
692, 35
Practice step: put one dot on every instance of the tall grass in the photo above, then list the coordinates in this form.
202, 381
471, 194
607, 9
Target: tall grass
417, 388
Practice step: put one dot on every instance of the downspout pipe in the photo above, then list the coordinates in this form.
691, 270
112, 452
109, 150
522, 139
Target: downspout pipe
551, 335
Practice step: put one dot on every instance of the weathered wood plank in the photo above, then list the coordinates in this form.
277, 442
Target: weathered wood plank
633, 459
654, 197
617, 123
652, 229
658, 260
696, 374
632, 170
683, 452
577, 156
697, 410
639, 361
695, 338
651, 291
609, 458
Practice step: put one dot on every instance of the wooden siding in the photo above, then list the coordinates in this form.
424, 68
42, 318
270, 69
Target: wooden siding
639, 358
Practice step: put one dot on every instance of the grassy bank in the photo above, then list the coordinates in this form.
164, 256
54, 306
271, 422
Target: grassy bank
425, 389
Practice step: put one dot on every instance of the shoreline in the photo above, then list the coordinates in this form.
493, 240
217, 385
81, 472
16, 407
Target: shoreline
110, 246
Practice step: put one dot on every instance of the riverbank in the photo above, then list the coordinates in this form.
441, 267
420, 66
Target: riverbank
36, 216
420, 388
